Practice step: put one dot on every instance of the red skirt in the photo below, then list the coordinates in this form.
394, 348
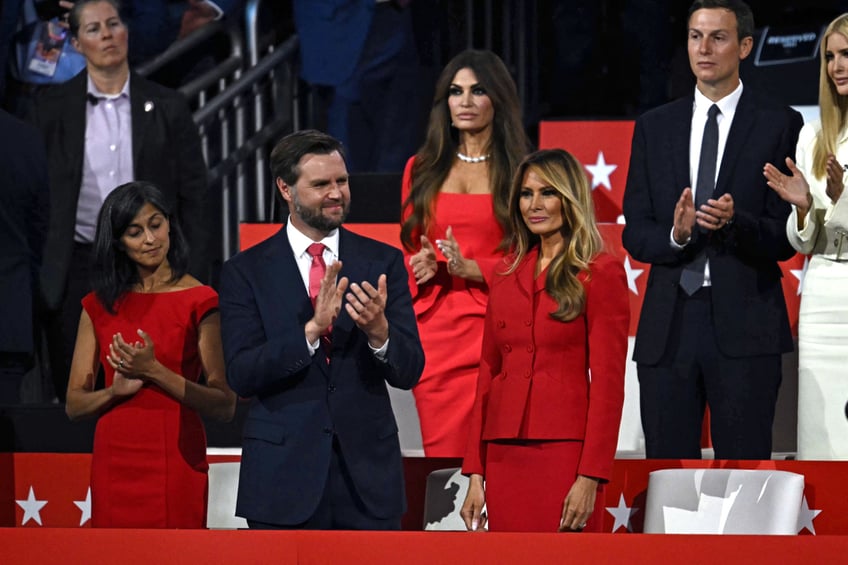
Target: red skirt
527, 482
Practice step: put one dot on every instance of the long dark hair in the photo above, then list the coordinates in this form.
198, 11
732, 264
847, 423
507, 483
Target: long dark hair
113, 273
433, 161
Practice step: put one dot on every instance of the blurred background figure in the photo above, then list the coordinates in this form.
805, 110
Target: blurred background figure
361, 56
24, 212
817, 227
156, 332
542, 438
455, 197
105, 127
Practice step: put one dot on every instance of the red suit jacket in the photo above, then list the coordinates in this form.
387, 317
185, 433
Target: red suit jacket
534, 378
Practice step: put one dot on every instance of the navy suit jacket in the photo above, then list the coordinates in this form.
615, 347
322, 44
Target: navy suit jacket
166, 151
749, 312
24, 210
299, 402
332, 34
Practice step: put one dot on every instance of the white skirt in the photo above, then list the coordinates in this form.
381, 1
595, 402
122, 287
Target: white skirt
823, 362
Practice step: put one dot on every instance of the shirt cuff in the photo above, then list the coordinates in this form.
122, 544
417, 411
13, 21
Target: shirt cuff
674, 244
380, 352
313, 347
217, 8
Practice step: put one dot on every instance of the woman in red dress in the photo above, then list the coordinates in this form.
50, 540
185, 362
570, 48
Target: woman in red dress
155, 330
455, 198
545, 422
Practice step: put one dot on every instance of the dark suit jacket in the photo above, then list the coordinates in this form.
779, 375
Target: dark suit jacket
749, 312
166, 151
298, 401
24, 208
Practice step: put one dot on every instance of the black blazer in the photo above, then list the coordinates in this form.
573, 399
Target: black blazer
749, 311
24, 208
166, 151
298, 401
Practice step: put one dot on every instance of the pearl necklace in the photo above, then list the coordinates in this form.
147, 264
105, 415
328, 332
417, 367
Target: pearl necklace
467, 159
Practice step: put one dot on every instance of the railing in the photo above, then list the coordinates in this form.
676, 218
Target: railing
241, 106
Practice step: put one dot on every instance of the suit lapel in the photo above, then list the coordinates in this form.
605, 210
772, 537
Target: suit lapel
680, 129
74, 140
743, 121
356, 269
142, 109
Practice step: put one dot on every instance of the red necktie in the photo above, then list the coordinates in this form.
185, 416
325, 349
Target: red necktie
316, 270
316, 273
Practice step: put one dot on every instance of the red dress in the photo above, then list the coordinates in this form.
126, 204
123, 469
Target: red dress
148, 469
450, 313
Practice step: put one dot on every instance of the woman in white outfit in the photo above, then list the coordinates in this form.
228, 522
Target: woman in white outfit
818, 227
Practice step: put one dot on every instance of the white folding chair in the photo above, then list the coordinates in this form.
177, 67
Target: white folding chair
223, 491
723, 501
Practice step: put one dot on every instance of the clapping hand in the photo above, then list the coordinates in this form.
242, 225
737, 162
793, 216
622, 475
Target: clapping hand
835, 184
793, 188
366, 306
423, 263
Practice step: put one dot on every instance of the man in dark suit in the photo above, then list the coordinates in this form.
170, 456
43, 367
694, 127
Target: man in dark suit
24, 210
89, 124
713, 323
314, 353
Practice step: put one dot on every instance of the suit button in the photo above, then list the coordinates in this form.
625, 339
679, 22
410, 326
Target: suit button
528, 323
527, 374
507, 348
529, 349
501, 324
331, 388
328, 430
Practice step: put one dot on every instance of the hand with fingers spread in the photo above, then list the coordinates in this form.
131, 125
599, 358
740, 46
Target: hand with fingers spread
578, 504
835, 184
423, 263
366, 306
472, 508
328, 302
793, 189
684, 217
715, 214
458, 265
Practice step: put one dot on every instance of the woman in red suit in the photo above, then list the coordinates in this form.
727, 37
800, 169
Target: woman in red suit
544, 427
155, 330
455, 197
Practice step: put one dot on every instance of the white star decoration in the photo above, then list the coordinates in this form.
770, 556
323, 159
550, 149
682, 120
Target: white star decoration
806, 516
601, 172
85, 507
622, 514
32, 508
800, 274
632, 275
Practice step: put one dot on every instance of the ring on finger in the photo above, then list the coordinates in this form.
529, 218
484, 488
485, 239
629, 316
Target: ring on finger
121, 364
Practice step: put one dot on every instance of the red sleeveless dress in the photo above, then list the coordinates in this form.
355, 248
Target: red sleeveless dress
148, 468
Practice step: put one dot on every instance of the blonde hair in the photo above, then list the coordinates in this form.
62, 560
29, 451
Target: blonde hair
832, 105
561, 171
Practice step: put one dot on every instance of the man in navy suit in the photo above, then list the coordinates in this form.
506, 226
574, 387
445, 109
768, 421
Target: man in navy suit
718, 341
320, 448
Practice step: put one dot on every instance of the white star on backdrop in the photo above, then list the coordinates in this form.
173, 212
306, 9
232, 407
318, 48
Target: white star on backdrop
85, 507
622, 514
632, 275
800, 274
601, 172
806, 516
32, 508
